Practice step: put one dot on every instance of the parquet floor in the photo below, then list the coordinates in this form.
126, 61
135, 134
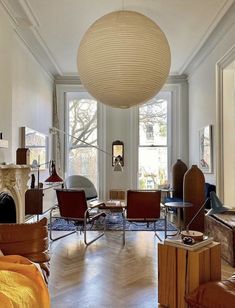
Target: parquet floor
106, 274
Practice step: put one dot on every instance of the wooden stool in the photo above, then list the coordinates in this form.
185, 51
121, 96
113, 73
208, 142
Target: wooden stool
180, 271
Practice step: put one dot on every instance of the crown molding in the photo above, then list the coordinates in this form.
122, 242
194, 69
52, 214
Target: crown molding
26, 25
32, 52
174, 79
68, 80
30, 13
210, 29
210, 42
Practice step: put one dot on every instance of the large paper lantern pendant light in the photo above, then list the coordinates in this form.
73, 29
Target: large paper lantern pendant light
123, 59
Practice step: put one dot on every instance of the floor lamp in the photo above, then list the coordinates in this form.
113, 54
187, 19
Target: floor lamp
117, 163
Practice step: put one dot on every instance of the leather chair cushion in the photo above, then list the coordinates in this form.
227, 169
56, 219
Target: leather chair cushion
213, 294
28, 240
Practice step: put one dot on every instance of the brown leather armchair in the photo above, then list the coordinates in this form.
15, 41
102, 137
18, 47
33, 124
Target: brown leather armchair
72, 205
213, 294
29, 240
142, 206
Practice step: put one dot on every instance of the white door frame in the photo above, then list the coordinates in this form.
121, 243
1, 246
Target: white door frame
221, 65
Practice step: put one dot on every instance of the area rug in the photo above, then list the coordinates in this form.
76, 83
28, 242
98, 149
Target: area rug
113, 223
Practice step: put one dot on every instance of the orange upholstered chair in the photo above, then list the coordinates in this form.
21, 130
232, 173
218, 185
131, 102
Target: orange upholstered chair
142, 206
72, 205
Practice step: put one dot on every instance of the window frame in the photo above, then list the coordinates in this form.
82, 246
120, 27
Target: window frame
79, 94
164, 94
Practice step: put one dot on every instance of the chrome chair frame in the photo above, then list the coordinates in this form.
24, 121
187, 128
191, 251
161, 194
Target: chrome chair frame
88, 218
143, 221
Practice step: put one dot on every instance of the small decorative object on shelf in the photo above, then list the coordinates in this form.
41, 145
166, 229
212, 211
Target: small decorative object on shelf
196, 235
22, 156
32, 185
188, 240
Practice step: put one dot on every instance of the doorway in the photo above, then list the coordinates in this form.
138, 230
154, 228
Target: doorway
226, 128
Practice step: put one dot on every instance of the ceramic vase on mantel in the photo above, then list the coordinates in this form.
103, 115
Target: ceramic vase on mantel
194, 192
178, 171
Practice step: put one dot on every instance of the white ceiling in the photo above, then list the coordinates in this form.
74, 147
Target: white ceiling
54, 28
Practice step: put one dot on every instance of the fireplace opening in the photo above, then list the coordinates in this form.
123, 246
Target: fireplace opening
7, 208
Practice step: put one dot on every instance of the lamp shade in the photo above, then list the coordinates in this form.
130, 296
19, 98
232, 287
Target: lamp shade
117, 165
54, 177
124, 59
217, 206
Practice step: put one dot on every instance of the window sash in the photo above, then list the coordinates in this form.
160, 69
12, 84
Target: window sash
167, 95
71, 96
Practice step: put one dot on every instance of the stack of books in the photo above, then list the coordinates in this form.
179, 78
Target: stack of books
178, 242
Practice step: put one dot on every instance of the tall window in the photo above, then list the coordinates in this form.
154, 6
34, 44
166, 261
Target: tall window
154, 142
82, 123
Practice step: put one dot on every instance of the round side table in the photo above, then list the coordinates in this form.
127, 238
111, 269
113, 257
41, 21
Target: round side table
178, 206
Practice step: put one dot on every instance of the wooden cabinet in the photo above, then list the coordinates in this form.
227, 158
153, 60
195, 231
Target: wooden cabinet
180, 271
40, 200
117, 194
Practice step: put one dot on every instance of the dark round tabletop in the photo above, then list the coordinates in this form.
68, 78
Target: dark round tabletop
178, 204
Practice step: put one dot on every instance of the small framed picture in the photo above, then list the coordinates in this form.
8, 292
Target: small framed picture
205, 149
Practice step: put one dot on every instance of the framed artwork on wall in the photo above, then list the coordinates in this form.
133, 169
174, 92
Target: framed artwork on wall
205, 149
37, 143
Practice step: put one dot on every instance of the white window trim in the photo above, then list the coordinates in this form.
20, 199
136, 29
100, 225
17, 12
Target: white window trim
61, 91
176, 127
169, 135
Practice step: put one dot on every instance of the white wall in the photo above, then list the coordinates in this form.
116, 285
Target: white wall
26, 90
119, 128
202, 88
6, 36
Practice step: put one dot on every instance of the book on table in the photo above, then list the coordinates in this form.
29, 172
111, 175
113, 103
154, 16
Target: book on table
177, 242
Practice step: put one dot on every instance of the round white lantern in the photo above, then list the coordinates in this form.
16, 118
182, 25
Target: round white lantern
123, 59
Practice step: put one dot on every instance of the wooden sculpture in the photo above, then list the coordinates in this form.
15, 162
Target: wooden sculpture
194, 192
178, 171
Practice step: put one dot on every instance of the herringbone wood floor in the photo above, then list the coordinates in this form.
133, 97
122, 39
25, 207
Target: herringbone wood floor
106, 274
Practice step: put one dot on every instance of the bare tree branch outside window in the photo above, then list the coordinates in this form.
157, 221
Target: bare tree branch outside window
153, 150
83, 122
82, 119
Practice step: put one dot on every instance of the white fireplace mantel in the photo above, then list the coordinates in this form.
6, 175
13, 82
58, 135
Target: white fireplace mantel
13, 180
